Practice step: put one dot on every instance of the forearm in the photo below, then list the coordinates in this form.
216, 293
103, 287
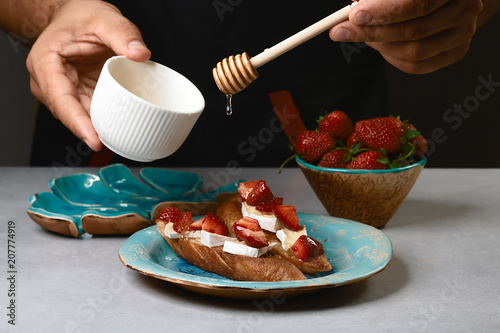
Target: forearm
27, 18
490, 8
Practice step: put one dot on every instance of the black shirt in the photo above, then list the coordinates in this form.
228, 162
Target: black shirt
192, 36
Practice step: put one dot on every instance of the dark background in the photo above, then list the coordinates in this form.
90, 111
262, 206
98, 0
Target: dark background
425, 99
466, 140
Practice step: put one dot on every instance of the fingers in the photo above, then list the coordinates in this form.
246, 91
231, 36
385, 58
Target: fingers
59, 94
77, 120
401, 31
383, 12
416, 36
121, 35
425, 47
449, 15
428, 65
65, 61
423, 56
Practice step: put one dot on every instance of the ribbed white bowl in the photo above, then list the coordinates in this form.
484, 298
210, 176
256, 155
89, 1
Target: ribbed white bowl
143, 111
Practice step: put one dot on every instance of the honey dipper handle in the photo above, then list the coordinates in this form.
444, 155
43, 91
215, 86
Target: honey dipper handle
301, 36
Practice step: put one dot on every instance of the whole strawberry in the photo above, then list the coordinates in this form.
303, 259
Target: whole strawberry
334, 159
353, 138
338, 124
381, 133
371, 160
312, 145
419, 141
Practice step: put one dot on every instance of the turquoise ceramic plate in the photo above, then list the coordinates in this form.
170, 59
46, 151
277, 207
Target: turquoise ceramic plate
355, 250
114, 201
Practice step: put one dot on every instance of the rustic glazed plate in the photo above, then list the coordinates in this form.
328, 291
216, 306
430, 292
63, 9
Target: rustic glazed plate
356, 251
114, 202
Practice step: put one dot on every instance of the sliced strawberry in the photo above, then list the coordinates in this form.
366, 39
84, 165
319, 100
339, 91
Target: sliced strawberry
196, 225
214, 224
182, 224
169, 214
307, 248
244, 188
181, 220
287, 215
251, 238
248, 230
267, 206
248, 223
260, 193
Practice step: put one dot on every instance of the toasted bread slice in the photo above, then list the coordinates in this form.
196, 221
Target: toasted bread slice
230, 211
268, 267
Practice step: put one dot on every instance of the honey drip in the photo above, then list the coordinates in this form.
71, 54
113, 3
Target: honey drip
229, 105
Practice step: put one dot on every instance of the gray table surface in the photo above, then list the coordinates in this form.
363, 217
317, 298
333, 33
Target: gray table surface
443, 276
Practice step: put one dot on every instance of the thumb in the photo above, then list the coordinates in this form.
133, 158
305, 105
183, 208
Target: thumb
121, 35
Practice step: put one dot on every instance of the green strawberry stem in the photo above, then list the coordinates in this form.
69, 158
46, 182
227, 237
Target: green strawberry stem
353, 151
393, 164
407, 155
286, 161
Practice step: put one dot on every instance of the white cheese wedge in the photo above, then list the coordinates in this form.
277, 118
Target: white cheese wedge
267, 221
170, 232
242, 249
191, 234
210, 239
288, 237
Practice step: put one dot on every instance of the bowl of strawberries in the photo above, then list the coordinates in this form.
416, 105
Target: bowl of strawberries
362, 171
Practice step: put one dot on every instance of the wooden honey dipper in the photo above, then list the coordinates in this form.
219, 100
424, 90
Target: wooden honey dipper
235, 73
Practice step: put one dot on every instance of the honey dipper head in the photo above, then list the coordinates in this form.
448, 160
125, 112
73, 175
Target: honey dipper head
234, 74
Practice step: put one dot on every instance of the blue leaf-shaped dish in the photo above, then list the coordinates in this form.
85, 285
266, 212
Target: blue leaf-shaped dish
115, 202
356, 251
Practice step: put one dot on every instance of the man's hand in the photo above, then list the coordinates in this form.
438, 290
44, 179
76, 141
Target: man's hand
66, 60
416, 36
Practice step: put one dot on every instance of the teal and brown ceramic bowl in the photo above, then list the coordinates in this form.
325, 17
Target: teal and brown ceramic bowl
367, 196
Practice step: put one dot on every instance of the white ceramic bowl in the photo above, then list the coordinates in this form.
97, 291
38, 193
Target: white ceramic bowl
143, 111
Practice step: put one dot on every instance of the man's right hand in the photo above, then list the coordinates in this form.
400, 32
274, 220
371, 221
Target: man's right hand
67, 58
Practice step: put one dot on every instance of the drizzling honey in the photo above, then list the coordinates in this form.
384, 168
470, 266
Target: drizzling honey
229, 105
235, 73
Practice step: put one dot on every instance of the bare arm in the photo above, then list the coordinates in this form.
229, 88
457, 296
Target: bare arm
27, 18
